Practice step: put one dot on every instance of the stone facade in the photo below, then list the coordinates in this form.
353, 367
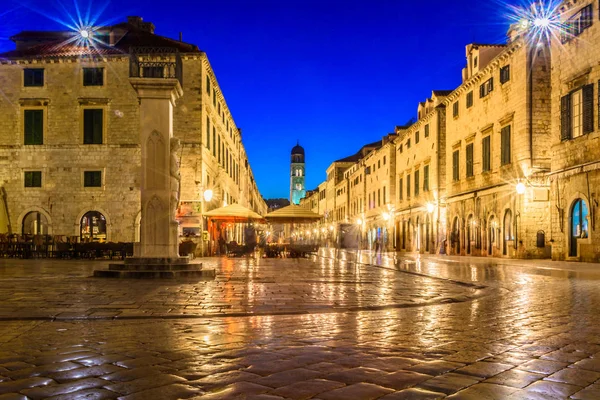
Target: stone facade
61, 201
420, 179
496, 139
575, 174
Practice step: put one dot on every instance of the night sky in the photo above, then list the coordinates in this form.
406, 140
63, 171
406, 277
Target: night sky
332, 74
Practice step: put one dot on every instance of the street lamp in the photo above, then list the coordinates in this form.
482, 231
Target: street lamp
520, 188
207, 195
430, 208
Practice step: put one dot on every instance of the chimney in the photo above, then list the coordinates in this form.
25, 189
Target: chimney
139, 23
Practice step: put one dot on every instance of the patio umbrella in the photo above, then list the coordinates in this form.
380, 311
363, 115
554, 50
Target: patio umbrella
233, 212
292, 214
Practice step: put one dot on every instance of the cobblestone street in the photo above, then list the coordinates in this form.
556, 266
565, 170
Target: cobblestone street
304, 328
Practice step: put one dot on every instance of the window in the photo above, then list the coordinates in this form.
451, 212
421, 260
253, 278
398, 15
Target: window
400, 191
426, 130
214, 147
33, 179
469, 160
505, 145
401, 149
408, 186
455, 171
486, 87
470, 99
575, 25
92, 126
577, 113
384, 160
455, 109
378, 164
485, 154
416, 183
33, 77
426, 178
384, 202
408, 143
417, 134
214, 98
219, 148
475, 62
208, 84
208, 133
505, 74
93, 76
92, 178
34, 126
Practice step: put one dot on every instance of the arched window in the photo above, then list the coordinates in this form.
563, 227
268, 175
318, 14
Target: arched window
93, 227
34, 223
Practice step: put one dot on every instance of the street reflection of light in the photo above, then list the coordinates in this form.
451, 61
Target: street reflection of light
474, 274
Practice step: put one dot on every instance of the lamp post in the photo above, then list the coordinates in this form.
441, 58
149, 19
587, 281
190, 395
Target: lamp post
520, 188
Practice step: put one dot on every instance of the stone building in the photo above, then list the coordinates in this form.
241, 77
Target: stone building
420, 212
380, 173
498, 152
575, 169
69, 144
297, 175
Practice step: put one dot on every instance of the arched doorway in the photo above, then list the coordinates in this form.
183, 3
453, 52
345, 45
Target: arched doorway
455, 236
579, 225
469, 233
491, 235
93, 227
34, 223
508, 231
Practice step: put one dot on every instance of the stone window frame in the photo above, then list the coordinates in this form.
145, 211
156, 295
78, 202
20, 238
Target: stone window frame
82, 109
102, 177
42, 171
44, 109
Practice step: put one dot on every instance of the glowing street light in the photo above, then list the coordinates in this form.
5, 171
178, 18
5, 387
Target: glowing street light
208, 194
359, 221
84, 33
542, 22
430, 207
386, 216
520, 188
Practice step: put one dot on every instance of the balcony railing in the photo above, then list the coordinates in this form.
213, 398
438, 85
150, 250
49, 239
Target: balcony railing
155, 62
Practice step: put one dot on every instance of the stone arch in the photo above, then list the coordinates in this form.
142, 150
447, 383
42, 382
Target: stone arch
77, 225
571, 244
40, 210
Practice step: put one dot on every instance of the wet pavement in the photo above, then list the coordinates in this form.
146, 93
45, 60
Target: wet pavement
318, 328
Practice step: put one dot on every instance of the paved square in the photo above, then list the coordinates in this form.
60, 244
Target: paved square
382, 327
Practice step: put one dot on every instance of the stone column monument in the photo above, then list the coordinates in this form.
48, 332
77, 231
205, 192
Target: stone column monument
156, 255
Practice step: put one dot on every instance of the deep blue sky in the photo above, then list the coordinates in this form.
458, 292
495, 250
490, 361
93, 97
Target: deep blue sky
333, 74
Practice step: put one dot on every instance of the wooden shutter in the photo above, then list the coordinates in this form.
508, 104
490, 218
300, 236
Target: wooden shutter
97, 126
505, 150
588, 108
565, 117
416, 183
426, 178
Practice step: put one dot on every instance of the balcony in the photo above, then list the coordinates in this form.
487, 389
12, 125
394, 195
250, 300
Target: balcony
155, 62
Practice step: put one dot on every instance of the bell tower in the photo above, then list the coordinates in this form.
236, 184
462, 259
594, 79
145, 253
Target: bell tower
297, 177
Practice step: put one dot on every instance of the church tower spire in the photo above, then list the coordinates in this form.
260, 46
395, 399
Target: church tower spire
297, 177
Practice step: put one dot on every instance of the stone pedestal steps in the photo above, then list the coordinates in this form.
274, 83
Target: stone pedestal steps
156, 268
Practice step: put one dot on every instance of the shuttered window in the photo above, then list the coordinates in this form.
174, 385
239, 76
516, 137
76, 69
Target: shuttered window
505, 74
565, 117
427, 130
588, 109
92, 126
417, 137
455, 109
469, 158
455, 166
408, 186
505, 150
417, 173
486, 154
33, 179
33, 77
400, 189
92, 178
486, 87
93, 76
33, 126
426, 178
470, 99
208, 133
